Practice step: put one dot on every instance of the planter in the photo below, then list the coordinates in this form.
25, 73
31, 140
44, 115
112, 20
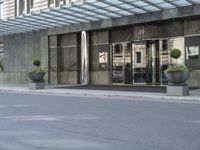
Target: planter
177, 86
36, 76
37, 80
181, 90
177, 78
36, 85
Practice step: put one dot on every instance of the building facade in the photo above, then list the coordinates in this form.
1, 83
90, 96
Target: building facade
125, 50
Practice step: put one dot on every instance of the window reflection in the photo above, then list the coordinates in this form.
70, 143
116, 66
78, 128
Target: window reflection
178, 43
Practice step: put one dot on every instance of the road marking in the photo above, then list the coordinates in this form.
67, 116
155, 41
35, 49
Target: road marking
5, 106
70, 143
50, 118
198, 121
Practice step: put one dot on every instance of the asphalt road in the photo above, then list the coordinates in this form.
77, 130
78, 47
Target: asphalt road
39, 122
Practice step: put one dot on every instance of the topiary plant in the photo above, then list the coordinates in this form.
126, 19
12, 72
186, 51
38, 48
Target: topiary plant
177, 74
175, 53
36, 62
37, 75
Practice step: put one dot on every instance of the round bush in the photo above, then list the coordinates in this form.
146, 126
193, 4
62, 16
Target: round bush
36, 62
175, 53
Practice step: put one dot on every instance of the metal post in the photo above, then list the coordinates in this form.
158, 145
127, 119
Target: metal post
84, 58
153, 49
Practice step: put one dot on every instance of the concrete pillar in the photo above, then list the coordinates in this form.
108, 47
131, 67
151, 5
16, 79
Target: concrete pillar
53, 60
45, 54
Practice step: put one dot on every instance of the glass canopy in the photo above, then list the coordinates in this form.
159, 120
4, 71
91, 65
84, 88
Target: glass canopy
88, 11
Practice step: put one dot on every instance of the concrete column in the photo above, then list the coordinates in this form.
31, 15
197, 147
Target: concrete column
53, 60
45, 54
84, 58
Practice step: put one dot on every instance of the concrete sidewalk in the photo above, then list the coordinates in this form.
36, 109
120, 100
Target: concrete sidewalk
55, 90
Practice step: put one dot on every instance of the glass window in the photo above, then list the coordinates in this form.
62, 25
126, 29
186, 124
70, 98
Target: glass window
52, 3
117, 49
138, 57
164, 45
178, 43
1, 10
62, 2
31, 3
21, 6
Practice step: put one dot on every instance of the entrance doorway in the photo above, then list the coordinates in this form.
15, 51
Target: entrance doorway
140, 62
121, 63
146, 63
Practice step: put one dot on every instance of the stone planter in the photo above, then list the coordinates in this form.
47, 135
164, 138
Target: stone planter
177, 78
37, 80
36, 76
177, 86
181, 90
36, 85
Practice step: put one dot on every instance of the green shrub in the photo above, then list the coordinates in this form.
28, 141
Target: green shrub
38, 71
175, 53
176, 68
36, 62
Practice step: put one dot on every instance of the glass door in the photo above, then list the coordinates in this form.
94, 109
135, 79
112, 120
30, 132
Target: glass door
139, 63
127, 63
121, 68
146, 63
118, 63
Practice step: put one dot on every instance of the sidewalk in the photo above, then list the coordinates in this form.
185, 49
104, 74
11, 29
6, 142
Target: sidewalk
54, 90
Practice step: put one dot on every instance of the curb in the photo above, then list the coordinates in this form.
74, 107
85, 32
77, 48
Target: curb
101, 94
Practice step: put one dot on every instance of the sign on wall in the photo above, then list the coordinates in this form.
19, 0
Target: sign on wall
103, 57
192, 52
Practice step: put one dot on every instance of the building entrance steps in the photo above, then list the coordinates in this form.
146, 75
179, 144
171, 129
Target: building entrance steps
117, 92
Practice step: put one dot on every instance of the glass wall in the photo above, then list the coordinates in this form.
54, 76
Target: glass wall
149, 60
139, 63
121, 56
164, 59
178, 43
1, 10
118, 63
146, 67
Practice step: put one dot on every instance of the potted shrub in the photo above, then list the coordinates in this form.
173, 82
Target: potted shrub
177, 75
37, 75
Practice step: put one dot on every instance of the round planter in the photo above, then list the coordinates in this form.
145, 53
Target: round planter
177, 78
36, 76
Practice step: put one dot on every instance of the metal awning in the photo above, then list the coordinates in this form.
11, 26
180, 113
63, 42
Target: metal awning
88, 11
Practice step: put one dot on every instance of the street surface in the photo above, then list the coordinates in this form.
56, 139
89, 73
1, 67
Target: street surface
46, 122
